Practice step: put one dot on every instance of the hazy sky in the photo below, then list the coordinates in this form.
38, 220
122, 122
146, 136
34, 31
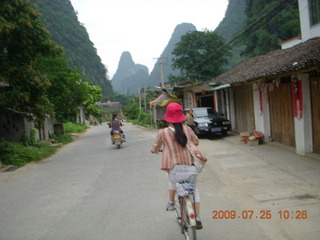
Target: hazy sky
142, 27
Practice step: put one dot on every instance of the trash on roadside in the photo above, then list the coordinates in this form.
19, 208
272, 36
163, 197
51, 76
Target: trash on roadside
245, 136
253, 138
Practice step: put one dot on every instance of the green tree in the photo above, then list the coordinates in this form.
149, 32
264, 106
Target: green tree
94, 94
131, 111
200, 55
69, 90
268, 23
23, 41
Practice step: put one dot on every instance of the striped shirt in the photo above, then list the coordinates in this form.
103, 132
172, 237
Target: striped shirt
172, 152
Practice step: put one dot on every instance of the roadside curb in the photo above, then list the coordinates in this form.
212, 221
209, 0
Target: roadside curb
7, 168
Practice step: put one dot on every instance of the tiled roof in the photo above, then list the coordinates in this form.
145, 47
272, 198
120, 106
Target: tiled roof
279, 62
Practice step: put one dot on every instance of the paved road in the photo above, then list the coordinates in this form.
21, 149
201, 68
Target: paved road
91, 190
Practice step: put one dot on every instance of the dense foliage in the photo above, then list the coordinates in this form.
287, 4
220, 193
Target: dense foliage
40, 81
70, 127
138, 109
200, 55
19, 154
268, 23
68, 90
229, 27
62, 22
23, 41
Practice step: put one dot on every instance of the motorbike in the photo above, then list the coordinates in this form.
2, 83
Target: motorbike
117, 139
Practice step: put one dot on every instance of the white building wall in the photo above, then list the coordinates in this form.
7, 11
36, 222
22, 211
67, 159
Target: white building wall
231, 108
262, 118
227, 91
307, 30
291, 43
303, 126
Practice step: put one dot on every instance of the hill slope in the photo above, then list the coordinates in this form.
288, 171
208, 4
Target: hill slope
232, 23
166, 56
62, 22
129, 77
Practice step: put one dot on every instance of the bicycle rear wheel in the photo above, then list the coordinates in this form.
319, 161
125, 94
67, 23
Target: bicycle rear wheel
190, 233
188, 230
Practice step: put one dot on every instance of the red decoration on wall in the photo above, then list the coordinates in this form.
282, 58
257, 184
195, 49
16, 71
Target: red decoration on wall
297, 98
261, 102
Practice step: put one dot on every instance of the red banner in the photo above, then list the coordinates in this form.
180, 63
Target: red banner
297, 98
260, 101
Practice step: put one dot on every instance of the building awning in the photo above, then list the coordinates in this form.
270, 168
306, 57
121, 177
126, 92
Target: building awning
164, 99
218, 88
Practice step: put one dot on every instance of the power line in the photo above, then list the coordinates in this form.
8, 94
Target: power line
276, 9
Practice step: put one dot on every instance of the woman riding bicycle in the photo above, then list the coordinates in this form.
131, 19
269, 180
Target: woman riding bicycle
174, 140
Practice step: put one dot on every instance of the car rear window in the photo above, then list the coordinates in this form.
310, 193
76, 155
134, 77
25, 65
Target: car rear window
205, 112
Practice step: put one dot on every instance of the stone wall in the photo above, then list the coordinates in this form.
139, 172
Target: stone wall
14, 126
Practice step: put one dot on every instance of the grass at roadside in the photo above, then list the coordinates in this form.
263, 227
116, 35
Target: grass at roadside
19, 154
74, 127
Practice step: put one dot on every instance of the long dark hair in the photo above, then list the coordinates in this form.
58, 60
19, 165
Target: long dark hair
179, 135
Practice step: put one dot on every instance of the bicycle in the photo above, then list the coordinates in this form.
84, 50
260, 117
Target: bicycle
184, 210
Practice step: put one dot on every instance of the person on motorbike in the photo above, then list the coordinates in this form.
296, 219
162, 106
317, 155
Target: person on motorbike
174, 140
115, 125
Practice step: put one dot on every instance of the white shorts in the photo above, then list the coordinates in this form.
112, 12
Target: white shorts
180, 173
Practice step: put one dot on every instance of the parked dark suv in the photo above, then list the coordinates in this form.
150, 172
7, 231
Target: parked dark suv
209, 121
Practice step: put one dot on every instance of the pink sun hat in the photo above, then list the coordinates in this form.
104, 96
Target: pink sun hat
174, 113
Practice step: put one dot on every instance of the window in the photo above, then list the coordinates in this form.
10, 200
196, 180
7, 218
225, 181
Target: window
314, 8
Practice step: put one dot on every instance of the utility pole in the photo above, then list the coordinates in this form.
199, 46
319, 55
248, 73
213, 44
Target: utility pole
161, 69
139, 99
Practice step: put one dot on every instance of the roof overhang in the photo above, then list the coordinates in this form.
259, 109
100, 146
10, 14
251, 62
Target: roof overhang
219, 87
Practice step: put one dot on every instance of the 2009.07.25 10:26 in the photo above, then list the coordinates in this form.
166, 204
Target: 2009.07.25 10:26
262, 214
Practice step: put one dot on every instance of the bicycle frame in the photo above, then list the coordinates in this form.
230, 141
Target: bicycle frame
185, 177
188, 210
186, 215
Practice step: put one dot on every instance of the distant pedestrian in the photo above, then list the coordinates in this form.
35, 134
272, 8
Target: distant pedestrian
190, 119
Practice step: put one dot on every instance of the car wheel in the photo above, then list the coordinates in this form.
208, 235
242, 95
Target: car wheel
225, 133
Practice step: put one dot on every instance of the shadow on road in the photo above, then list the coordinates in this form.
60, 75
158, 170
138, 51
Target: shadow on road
214, 137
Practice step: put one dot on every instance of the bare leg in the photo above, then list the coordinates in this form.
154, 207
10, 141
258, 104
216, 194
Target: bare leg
196, 207
171, 195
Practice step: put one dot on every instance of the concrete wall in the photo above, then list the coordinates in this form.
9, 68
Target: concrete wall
188, 99
303, 125
307, 30
14, 126
261, 110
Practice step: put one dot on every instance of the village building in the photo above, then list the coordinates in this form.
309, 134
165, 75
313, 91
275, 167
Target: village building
276, 93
